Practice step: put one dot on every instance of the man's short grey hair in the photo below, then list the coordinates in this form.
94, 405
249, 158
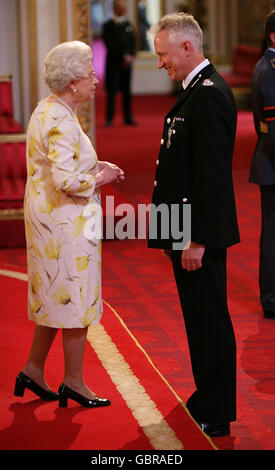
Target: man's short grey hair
181, 25
66, 62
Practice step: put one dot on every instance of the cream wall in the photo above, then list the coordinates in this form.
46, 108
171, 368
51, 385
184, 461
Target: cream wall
15, 49
47, 23
28, 30
24, 43
9, 51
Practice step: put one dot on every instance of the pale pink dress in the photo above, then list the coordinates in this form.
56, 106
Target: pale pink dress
64, 266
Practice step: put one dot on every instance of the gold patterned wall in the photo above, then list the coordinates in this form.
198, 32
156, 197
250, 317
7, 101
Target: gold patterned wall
251, 20
82, 32
198, 8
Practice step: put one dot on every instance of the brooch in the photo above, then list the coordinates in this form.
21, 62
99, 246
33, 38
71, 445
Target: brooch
207, 82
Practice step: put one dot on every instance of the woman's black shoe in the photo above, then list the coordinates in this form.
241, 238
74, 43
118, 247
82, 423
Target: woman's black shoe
23, 381
66, 392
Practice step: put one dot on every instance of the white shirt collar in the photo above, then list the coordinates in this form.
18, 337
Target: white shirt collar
194, 72
119, 19
271, 49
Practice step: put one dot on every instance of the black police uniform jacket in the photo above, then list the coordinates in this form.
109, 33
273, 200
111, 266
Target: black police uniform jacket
196, 168
120, 40
263, 98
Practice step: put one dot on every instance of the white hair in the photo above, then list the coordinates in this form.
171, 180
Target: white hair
64, 63
180, 25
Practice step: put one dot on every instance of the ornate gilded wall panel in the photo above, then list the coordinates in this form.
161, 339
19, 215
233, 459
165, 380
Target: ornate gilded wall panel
31, 5
199, 9
251, 20
82, 32
63, 21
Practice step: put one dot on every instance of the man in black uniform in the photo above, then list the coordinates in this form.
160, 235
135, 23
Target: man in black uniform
263, 163
195, 167
119, 38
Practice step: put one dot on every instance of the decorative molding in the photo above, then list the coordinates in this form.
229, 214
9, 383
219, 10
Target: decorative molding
11, 214
12, 138
63, 20
82, 32
82, 25
33, 52
251, 21
5, 78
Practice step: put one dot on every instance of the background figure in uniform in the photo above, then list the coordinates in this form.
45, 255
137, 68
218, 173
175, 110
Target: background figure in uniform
263, 163
120, 41
195, 167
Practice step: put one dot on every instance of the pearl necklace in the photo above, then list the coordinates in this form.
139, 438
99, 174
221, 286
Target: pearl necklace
67, 106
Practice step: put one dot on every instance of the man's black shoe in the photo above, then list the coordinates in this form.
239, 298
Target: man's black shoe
131, 122
269, 314
215, 429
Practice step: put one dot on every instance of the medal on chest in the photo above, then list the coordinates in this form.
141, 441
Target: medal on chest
171, 131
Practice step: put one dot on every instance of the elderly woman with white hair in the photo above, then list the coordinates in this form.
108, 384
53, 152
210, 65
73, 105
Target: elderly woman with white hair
64, 263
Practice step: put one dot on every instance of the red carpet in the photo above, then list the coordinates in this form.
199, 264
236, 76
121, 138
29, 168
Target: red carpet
145, 413
151, 310
150, 305
139, 285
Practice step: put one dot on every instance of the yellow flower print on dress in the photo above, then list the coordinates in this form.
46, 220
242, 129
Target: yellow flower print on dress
62, 296
54, 135
33, 188
30, 236
42, 320
76, 151
32, 146
89, 316
53, 155
52, 201
82, 262
36, 283
29, 230
79, 225
96, 292
44, 114
52, 251
84, 186
32, 169
35, 306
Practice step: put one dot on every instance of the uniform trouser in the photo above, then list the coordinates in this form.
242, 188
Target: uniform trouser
121, 82
211, 339
267, 249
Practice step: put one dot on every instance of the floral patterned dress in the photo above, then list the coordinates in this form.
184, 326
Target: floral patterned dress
64, 265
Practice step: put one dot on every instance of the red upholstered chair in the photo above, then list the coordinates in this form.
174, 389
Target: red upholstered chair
12, 170
244, 60
6, 102
8, 125
12, 188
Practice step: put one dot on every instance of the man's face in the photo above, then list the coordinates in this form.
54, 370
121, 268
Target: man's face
120, 7
171, 55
